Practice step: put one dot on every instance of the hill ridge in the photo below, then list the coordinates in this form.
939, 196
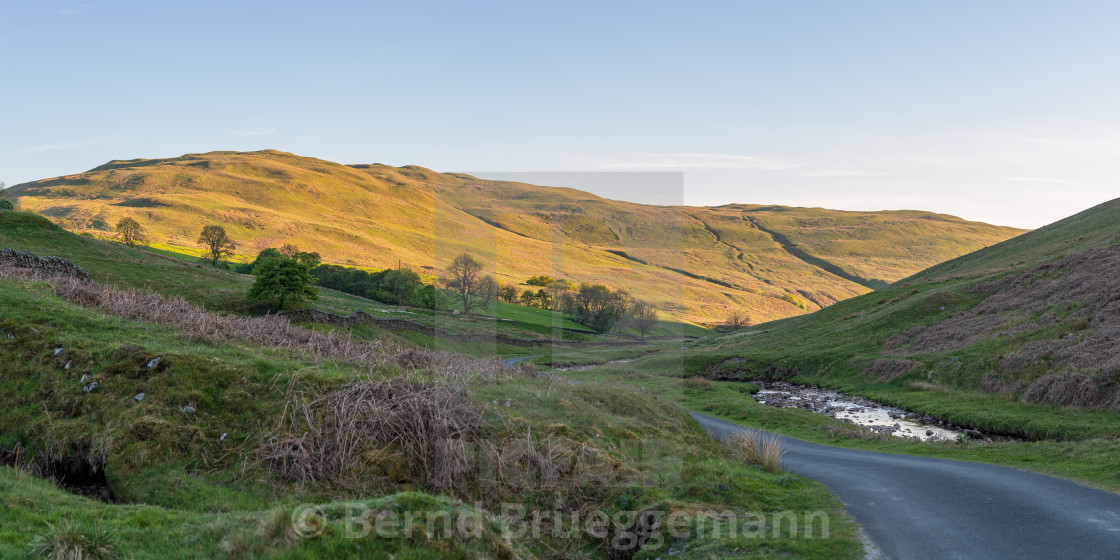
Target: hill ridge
374, 214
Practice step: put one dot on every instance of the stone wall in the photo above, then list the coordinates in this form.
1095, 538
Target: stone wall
363, 318
48, 266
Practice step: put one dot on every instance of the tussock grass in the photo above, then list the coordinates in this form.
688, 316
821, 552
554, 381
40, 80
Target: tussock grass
72, 541
756, 448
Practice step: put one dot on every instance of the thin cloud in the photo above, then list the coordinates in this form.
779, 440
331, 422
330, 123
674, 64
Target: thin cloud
256, 131
72, 11
841, 173
1034, 180
702, 161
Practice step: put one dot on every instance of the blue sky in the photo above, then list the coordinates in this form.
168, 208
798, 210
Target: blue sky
1007, 112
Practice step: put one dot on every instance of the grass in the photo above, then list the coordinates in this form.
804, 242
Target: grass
220, 290
376, 216
193, 485
1091, 459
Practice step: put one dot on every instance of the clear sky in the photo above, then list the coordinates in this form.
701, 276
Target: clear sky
1001, 111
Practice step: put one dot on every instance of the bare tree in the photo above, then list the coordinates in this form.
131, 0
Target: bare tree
131, 231
643, 316
217, 243
464, 277
736, 320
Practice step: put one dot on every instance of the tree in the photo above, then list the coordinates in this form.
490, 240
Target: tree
736, 320
5, 202
217, 243
642, 316
487, 291
598, 307
529, 298
542, 281
507, 293
464, 277
544, 298
556, 290
282, 281
131, 231
401, 283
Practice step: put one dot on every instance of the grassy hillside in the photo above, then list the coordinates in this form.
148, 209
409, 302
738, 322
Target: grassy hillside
695, 264
1019, 338
219, 290
212, 431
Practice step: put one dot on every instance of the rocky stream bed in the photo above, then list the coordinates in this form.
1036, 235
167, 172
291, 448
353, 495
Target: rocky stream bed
861, 411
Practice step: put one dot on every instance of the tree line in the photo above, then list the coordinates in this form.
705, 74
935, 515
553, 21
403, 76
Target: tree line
287, 276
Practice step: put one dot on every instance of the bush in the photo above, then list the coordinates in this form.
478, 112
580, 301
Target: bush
794, 300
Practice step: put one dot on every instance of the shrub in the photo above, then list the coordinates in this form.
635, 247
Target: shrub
794, 300
71, 541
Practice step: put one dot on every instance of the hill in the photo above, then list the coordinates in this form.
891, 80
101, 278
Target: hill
695, 264
218, 435
1020, 337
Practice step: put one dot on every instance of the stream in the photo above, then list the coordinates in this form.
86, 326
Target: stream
860, 411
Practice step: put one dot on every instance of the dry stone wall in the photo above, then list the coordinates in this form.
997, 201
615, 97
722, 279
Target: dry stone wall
363, 318
47, 266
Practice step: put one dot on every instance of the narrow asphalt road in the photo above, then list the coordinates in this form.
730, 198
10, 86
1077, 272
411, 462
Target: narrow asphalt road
923, 508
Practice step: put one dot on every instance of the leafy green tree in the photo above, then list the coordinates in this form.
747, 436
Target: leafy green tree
544, 298
5, 202
282, 281
529, 298
217, 243
131, 231
600, 308
401, 284
290, 251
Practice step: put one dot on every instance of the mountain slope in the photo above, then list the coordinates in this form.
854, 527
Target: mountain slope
696, 264
983, 338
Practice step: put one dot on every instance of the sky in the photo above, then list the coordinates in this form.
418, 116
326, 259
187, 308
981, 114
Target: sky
1000, 111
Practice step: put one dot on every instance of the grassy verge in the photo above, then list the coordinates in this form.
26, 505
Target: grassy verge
1094, 460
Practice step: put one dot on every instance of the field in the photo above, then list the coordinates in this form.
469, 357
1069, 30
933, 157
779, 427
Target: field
187, 444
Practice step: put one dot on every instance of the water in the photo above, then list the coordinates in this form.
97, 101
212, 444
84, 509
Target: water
857, 410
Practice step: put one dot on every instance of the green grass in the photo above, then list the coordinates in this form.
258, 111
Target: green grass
193, 279
187, 493
1093, 458
33, 508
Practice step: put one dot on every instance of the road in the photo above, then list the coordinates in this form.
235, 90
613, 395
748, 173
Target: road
923, 508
